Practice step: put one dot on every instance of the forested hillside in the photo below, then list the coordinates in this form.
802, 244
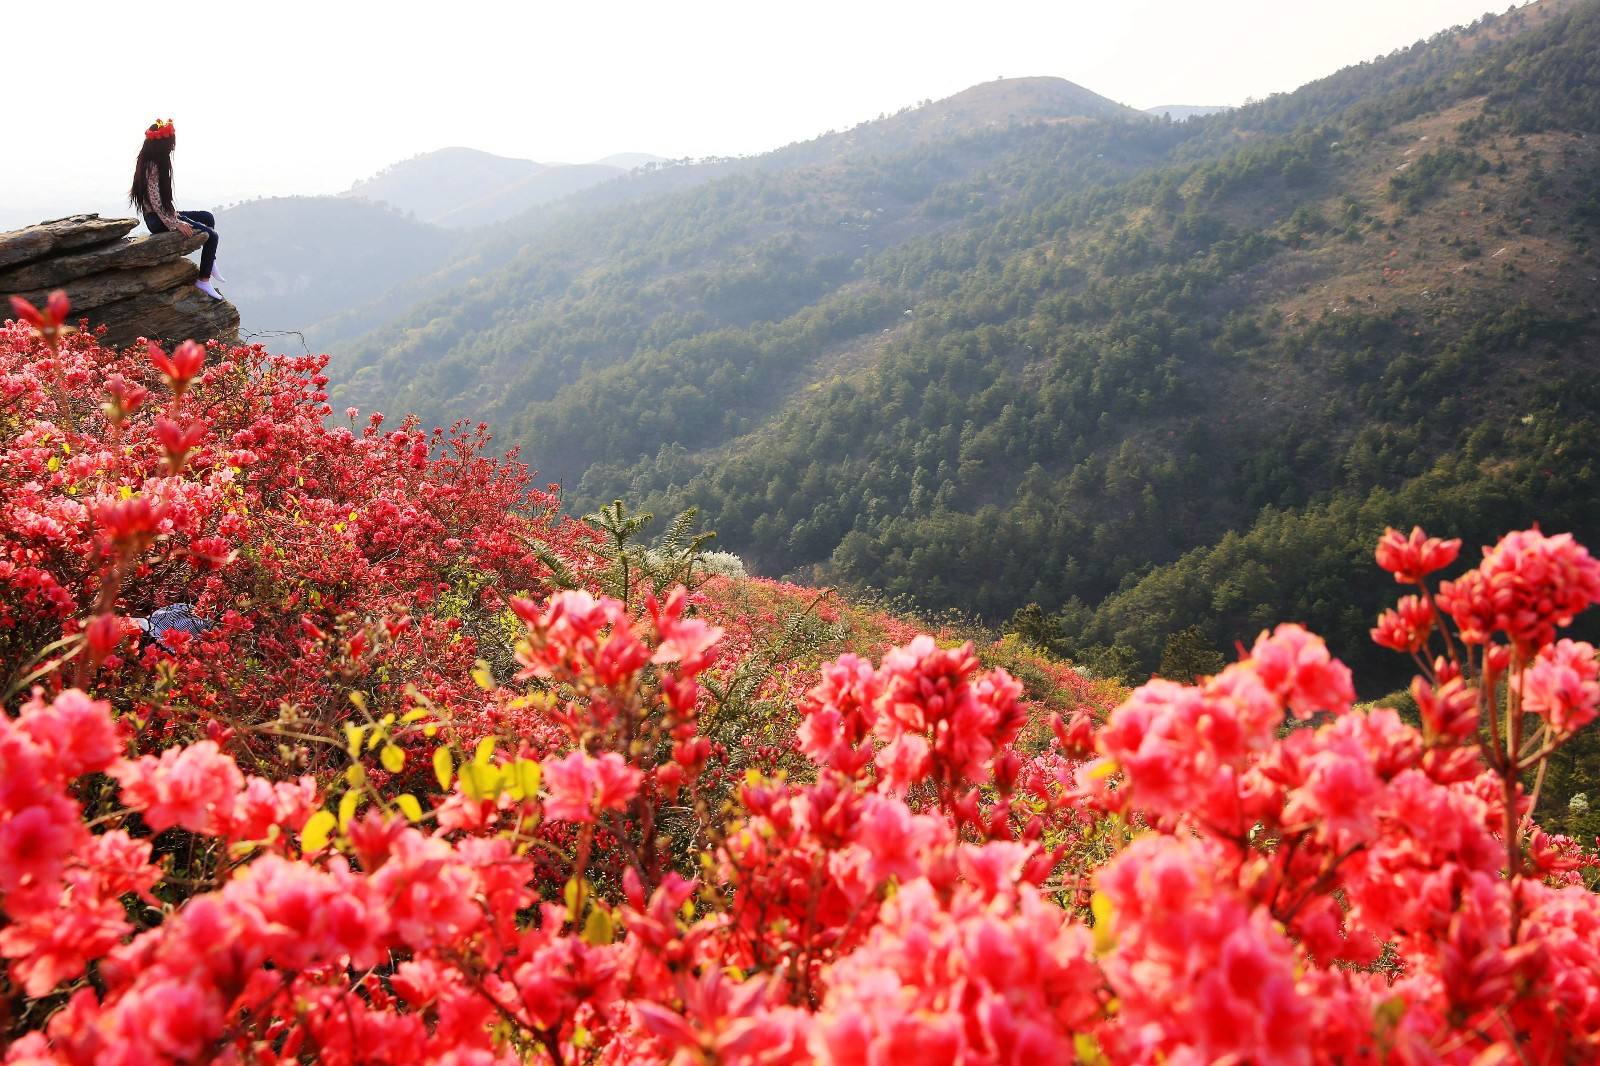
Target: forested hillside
1027, 346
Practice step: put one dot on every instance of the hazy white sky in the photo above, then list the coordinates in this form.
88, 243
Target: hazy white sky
281, 97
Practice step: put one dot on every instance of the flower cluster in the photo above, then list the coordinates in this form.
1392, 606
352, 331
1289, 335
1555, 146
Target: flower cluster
131, 481
1527, 587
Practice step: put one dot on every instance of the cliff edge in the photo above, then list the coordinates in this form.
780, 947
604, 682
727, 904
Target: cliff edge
133, 286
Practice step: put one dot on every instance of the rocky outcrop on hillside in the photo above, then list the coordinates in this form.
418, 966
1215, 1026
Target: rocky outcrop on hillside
133, 286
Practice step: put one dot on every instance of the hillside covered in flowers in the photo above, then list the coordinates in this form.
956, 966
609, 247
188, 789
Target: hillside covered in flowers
435, 773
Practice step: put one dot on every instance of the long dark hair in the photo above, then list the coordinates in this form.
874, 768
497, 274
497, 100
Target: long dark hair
156, 152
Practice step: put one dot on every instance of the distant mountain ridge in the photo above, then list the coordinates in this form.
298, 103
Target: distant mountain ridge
989, 106
984, 109
462, 187
294, 261
801, 180
631, 160
300, 264
1184, 112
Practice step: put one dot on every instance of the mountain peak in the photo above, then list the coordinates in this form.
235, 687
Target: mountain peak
1030, 98
434, 183
1184, 112
630, 160
990, 105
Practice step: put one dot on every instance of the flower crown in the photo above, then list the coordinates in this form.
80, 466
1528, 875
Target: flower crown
160, 129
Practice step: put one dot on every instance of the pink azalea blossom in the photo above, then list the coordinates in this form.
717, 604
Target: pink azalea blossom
580, 786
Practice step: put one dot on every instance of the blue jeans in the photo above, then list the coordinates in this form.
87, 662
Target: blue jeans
201, 220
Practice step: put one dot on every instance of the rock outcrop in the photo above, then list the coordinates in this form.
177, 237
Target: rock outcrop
133, 286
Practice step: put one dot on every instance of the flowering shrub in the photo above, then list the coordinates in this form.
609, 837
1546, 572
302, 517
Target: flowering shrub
377, 557
342, 826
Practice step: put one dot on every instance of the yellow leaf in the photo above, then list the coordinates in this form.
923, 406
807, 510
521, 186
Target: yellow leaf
1103, 768
528, 776
314, 837
357, 698
598, 929
484, 751
1105, 937
353, 735
412, 715
1390, 1012
430, 730
356, 775
572, 894
1088, 1049
53, 463
347, 808
479, 781
393, 759
409, 806
483, 675
443, 766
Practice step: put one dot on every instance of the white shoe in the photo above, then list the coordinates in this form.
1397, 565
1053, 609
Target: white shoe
216, 275
205, 286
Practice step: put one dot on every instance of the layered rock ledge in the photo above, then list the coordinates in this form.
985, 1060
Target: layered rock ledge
133, 286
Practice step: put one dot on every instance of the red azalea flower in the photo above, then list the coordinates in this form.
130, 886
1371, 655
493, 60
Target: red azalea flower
181, 367
1411, 558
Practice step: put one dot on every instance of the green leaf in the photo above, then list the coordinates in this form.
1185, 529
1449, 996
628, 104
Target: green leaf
314, 837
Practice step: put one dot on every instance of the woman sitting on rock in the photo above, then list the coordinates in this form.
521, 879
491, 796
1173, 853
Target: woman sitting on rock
152, 194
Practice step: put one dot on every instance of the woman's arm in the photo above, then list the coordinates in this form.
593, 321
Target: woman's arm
168, 215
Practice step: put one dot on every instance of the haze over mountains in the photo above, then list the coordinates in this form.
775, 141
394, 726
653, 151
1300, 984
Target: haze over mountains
1183, 112
314, 264
460, 187
300, 259
1026, 344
